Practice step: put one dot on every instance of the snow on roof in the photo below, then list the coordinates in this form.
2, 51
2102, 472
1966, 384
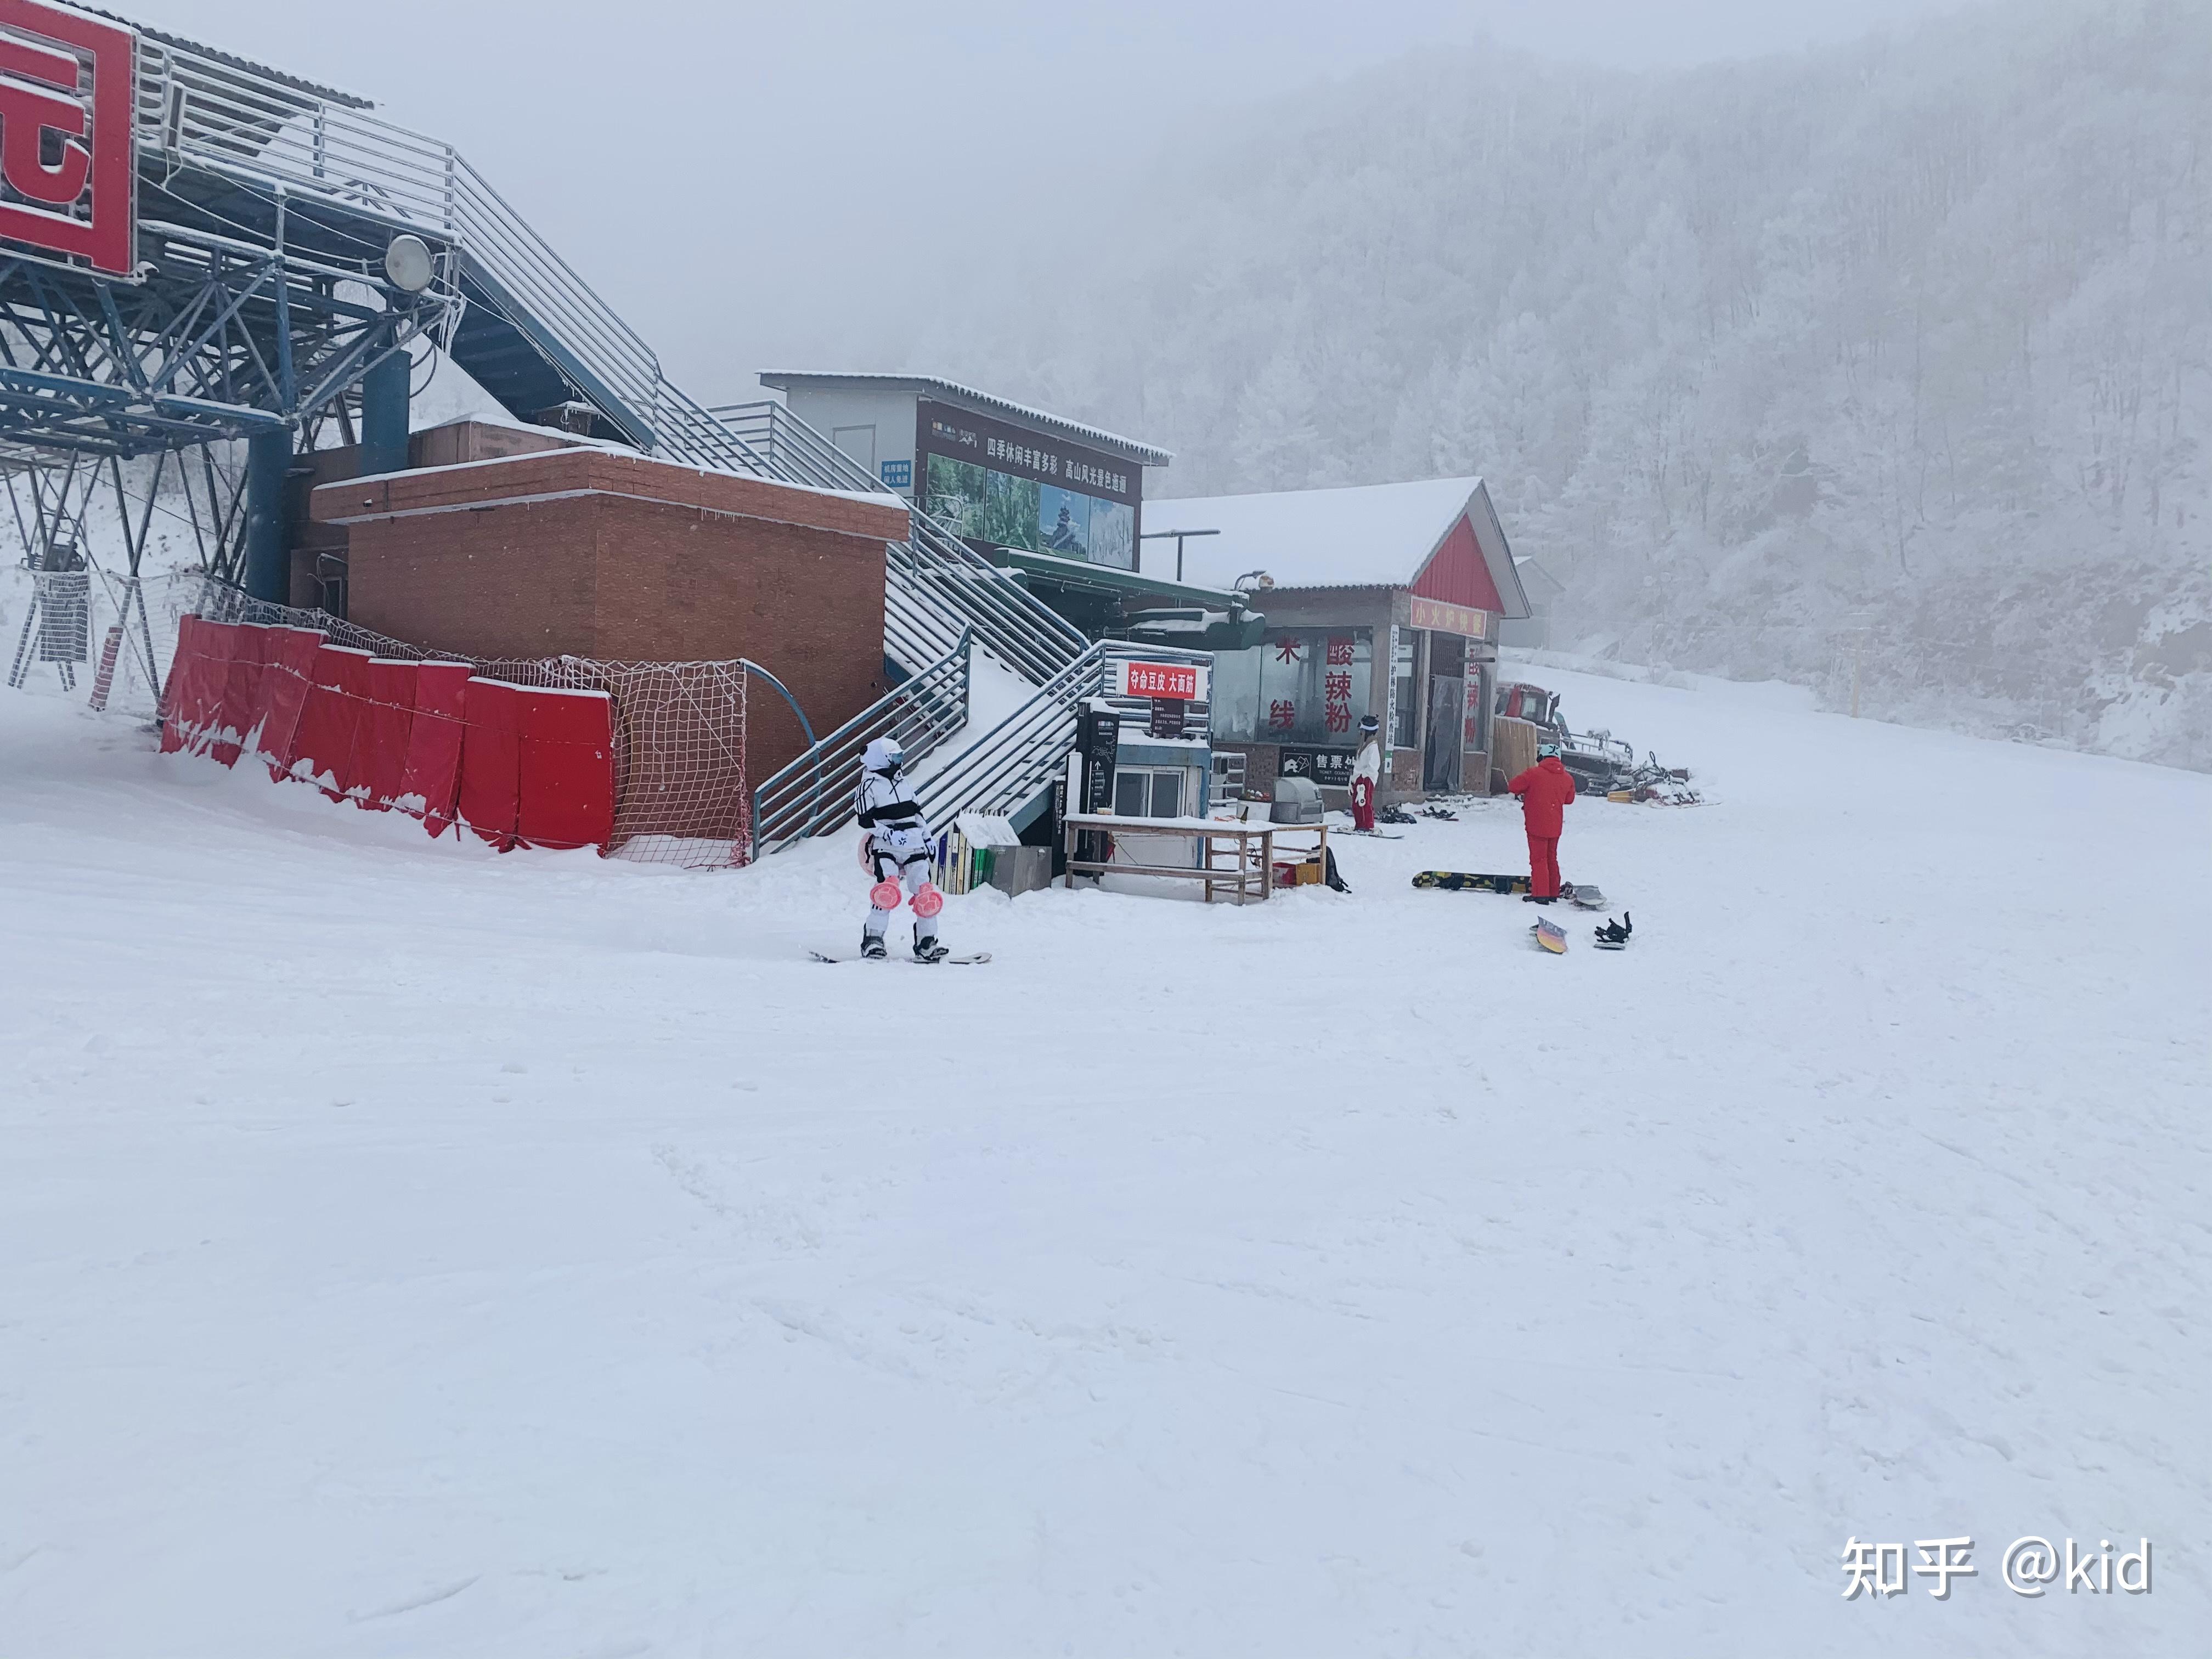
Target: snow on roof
1366, 536
984, 402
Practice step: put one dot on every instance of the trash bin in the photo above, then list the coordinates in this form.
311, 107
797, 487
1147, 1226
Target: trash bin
1019, 870
1297, 800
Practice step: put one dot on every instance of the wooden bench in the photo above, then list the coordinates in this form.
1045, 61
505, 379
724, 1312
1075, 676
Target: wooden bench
1217, 838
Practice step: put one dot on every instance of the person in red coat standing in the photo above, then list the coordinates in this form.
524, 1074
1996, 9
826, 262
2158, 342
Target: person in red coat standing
1545, 790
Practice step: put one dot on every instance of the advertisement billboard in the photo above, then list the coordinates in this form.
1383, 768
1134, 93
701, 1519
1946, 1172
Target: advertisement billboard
67, 86
1005, 486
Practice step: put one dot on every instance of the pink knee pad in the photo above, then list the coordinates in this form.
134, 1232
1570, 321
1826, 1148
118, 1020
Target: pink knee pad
885, 896
929, 902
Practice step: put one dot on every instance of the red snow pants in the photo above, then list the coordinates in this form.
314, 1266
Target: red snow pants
1544, 866
1363, 804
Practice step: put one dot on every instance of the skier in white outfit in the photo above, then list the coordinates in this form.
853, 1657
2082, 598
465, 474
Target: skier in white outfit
897, 852
1366, 775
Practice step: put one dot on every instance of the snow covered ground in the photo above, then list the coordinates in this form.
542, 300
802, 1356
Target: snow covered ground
409, 1251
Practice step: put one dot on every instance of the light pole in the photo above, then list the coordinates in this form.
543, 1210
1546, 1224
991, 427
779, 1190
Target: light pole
1162, 535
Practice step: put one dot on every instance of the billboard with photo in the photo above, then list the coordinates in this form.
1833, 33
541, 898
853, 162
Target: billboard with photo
1005, 486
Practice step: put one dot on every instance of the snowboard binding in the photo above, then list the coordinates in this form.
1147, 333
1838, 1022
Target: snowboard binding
928, 950
1613, 935
872, 947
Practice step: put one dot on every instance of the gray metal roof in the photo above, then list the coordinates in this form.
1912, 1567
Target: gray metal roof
952, 392
231, 60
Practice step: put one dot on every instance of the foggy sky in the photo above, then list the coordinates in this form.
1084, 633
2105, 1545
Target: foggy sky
759, 186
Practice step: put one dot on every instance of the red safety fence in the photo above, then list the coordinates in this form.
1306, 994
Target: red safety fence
518, 764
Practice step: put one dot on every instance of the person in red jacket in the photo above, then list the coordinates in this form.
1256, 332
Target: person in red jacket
1545, 790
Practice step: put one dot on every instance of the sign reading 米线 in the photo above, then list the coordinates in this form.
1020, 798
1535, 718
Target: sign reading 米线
67, 142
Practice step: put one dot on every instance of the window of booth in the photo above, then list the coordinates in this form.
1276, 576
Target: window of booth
1148, 792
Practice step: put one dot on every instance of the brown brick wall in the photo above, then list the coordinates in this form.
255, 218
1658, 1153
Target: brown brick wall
593, 571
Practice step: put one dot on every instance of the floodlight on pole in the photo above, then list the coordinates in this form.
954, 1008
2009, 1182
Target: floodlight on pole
407, 262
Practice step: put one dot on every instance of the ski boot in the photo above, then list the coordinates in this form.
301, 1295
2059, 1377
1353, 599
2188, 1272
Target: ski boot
872, 947
928, 950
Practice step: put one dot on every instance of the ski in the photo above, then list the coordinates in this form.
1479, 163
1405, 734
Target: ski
942, 962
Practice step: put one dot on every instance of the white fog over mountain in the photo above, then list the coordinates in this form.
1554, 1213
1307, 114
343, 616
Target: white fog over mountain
1900, 351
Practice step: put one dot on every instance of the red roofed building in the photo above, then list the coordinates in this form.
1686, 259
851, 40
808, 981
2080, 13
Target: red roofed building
1382, 599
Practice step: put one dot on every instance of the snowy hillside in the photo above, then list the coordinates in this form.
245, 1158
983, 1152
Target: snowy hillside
1897, 353
409, 1251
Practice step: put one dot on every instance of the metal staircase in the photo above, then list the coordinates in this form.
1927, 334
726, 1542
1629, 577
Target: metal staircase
310, 173
221, 143
1002, 771
936, 585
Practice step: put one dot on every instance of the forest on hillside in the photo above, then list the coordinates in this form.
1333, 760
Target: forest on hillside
1897, 354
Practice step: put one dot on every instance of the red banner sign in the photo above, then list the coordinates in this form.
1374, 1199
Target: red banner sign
67, 84
1445, 618
1182, 681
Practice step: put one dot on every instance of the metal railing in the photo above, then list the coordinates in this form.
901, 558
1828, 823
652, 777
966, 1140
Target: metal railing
1000, 772
937, 584
1005, 770
813, 795
226, 119
261, 133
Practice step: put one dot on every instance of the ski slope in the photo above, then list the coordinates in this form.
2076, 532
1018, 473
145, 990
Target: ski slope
405, 1250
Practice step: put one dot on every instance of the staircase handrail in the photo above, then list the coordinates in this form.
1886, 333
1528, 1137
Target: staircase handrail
1008, 765
812, 794
1029, 634
224, 118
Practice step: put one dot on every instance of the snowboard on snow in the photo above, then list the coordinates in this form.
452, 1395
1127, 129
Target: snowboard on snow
1551, 936
1466, 881
897, 955
1469, 881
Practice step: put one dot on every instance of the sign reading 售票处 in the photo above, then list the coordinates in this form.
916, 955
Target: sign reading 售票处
1007, 487
67, 85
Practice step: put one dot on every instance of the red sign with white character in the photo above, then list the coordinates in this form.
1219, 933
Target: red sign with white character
67, 84
1179, 680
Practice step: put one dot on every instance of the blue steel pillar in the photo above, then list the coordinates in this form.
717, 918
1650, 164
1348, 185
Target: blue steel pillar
384, 416
268, 550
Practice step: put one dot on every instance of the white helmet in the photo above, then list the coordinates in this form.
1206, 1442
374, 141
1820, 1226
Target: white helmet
883, 754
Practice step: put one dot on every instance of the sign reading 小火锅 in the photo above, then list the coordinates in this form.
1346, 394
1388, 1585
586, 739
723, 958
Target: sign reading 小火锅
67, 87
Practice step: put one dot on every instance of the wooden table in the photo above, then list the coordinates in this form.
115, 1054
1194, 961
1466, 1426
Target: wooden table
1216, 837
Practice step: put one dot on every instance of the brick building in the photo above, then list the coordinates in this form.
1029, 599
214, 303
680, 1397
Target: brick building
600, 553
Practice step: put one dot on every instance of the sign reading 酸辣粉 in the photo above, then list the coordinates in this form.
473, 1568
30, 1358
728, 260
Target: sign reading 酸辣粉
67, 83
